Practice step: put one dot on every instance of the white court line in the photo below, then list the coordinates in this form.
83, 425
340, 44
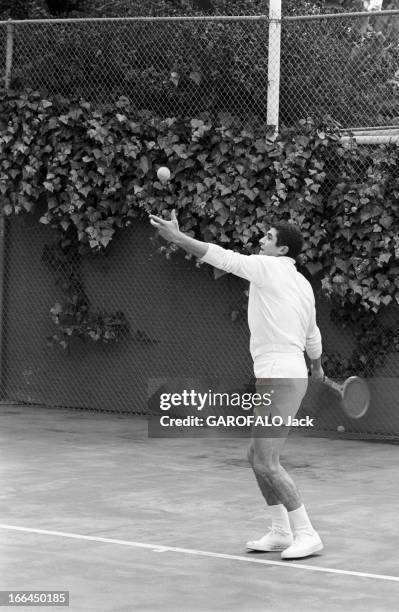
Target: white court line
202, 553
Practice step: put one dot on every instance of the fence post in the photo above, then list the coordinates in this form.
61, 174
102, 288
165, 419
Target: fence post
273, 72
7, 82
9, 53
2, 304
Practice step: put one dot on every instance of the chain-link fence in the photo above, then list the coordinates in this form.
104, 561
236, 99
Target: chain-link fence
170, 318
168, 66
343, 65
182, 325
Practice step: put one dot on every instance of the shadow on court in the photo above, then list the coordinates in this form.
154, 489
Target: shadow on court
90, 505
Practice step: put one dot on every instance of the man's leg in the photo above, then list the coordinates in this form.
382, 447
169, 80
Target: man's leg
280, 536
274, 481
276, 485
280, 521
287, 395
267, 492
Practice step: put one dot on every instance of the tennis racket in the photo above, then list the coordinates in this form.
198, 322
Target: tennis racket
354, 394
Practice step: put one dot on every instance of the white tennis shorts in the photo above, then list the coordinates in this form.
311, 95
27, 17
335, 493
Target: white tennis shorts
285, 377
281, 365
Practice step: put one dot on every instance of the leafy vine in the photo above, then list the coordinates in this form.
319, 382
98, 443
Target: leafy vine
92, 172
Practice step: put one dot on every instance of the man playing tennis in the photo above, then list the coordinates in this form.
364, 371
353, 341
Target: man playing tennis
282, 323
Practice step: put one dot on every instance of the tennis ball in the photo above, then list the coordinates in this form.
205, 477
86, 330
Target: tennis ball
340, 428
163, 173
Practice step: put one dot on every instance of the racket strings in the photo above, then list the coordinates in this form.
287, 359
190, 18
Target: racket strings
356, 398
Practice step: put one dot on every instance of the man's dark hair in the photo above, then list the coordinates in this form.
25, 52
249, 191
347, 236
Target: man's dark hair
289, 235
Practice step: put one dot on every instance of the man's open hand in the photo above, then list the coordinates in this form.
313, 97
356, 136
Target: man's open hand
169, 230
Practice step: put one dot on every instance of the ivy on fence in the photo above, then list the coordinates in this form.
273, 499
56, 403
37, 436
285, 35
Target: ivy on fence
90, 173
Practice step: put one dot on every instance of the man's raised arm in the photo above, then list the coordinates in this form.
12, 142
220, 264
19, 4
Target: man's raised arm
169, 230
245, 266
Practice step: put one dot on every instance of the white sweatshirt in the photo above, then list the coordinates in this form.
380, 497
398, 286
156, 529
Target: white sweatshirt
281, 305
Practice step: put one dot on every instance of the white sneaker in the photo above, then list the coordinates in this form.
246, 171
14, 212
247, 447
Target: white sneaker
272, 541
305, 544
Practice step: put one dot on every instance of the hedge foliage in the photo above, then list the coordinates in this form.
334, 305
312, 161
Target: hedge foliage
90, 173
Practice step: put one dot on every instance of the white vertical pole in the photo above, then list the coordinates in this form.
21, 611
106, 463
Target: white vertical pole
9, 53
273, 86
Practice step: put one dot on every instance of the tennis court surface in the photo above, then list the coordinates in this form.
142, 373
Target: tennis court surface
92, 506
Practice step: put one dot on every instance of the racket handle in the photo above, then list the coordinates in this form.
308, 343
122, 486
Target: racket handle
332, 384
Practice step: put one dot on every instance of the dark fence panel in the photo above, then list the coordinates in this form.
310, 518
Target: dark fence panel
181, 325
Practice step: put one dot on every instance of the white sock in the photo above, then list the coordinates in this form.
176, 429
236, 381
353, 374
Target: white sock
300, 521
280, 520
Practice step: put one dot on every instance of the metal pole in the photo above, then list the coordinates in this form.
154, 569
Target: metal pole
7, 81
204, 19
9, 53
273, 85
183, 19
339, 16
2, 305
